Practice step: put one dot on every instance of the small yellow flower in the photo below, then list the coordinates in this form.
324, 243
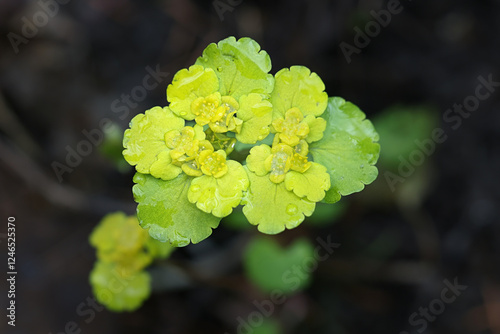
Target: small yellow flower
219, 112
279, 162
208, 109
292, 128
213, 163
299, 163
183, 144
302, 148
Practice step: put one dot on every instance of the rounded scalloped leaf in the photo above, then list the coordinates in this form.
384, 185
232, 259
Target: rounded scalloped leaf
219, 196
241, 66
348, 149
312, 184
144, 142
256, 114
163, 168
117, 290
256, 159
300, 88
317, 126
272, 207
164, 209
189, 84
270, 267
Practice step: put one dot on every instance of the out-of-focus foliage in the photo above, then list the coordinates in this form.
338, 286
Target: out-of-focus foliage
276, 269
123, 250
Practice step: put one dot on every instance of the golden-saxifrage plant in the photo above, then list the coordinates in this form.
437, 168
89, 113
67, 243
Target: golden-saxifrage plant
232, 135
301, 146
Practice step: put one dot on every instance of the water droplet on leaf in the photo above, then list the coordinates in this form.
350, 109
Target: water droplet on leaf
292, 209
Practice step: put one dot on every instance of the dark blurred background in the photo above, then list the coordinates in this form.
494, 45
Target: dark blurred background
399, 240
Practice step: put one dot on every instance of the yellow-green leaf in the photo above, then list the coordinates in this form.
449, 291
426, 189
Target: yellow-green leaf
241, 66
272, 207
219, 195
119, 290
187, 86
298, 87
317, 126
145, 144
256, 159
311, 184
120, 239
166, 212
256, 114
348, 149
